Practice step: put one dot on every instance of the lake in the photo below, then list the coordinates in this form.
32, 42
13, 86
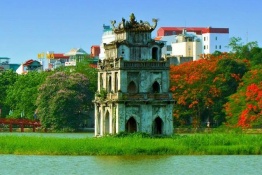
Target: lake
130, 165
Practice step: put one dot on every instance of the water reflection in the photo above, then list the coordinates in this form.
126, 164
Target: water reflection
127, 165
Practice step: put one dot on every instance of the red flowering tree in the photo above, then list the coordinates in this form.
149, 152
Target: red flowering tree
200, 88
244, 108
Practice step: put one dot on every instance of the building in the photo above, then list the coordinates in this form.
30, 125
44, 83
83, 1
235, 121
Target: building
108, 37
6, 65
192, 41
75, 55
56, 60
95, 51
133, 83
28, 66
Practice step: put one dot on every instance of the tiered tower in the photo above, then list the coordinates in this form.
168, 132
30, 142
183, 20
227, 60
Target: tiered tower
133, 83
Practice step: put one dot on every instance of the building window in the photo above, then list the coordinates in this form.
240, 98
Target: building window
131, 87
216, 37
204, 38
219, 46
204, 47
156, 87
168, 48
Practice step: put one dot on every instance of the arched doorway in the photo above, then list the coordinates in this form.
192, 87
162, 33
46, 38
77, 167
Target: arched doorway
157, 127
156, 87
131, 125
107, 123
154, 53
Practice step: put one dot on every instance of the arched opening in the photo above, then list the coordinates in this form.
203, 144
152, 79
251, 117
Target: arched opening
109, 84
98, 123
156, 87
131, 87
154, 53
107, 123
101, 81
131, 125
157, 127
116, 82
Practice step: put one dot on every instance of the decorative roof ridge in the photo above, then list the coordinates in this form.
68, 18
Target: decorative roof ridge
133, 25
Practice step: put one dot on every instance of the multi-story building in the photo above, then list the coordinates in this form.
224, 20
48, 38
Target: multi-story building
133, 83
56, 60
193, 41
6, 65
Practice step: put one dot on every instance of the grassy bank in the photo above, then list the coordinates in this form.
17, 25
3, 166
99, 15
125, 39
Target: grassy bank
192, 144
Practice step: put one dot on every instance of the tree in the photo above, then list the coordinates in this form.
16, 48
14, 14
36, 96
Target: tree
201, 88
244, 108
84, 67
249, 51
62, 99
22, 95
7, 79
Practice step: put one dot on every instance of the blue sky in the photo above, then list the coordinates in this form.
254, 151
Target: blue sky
28, 27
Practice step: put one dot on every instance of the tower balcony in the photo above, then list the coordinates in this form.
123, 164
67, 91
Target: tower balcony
119, 63
131, 97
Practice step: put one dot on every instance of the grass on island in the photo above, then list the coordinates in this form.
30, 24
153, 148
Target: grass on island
135, 144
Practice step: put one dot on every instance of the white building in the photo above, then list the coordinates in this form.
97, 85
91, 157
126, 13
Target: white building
192, 41
108, 37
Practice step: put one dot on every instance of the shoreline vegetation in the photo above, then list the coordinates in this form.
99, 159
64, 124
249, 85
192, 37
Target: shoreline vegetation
135, 144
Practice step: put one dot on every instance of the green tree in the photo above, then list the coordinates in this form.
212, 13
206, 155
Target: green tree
63, 99
85, 67
249, 51
7, 79
22, 95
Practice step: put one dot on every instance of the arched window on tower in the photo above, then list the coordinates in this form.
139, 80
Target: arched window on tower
107, 123
109, 84
156, 87
154, 53
131, 87
101, 81
116, 82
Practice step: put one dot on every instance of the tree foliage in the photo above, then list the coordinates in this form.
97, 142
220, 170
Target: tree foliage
22, 95
249, 51
63, 99
244, 108
7, 79
201, 87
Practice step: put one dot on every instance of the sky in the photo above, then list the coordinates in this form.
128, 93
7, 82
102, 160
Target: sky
29, 27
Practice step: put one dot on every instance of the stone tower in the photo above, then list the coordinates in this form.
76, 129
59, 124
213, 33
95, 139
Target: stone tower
133, 83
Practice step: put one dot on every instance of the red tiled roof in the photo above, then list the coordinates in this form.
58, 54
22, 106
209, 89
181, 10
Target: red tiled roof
28, 62
60, 56
198, 30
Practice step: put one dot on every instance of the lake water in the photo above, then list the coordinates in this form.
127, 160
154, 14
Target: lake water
130, 165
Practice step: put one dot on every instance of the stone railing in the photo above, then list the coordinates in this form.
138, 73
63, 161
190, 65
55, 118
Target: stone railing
145, 65
120, 63
139, 96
